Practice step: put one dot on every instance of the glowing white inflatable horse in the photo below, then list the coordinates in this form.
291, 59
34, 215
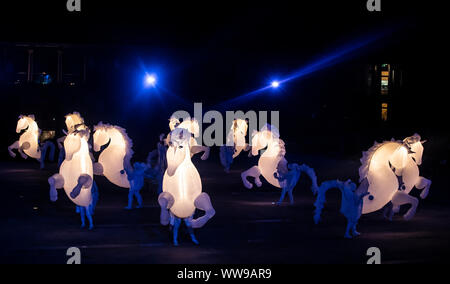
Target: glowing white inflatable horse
113, 160
269, 138
273, 166
235, 143
182, 187
76, 174
192, 126
28, 143
391, 169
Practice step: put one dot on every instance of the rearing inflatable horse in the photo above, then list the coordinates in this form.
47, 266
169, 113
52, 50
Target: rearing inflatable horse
235, 143
182, 187
268, 138
391, 169
76, 174
28, 143
113, 161
273, 166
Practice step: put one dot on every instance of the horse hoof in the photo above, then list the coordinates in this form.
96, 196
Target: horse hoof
194, 240
424, 194
408, 216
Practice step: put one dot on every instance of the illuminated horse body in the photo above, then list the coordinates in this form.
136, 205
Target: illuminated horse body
182, 187
73, 121
76, 175
351, 202
269, 138
113, 160
235, 143
273, 166
192, 126
28, 143
383, 166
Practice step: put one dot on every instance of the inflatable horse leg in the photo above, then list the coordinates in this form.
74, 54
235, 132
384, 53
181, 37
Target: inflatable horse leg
138, 196
287, 190
354, 231
351, 228
13, 146
203, 202
166, 202
188, 222
85, 212
176, 226
401, 198
131, 194
89, 216
83, 181
56, 181
226, 157
130, 200
423, 184
252, 172
25, 146
347, 230
98, 169
198, 149
291, 197
82, 211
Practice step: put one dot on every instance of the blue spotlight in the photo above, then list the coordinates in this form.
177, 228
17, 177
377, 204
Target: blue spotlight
150, 80
275, 84
350, 50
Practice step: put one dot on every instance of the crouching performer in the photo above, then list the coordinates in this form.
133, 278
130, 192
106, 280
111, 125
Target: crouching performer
182, 188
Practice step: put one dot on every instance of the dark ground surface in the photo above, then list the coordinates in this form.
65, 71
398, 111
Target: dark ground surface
247, 227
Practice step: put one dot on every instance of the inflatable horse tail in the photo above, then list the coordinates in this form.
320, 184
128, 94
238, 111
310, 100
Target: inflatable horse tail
321, 197
312, 175
292, 180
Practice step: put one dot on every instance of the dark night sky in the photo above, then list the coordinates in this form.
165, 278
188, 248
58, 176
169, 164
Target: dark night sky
211, 51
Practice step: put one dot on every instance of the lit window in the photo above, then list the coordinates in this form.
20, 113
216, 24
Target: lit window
384, 111
385, 74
